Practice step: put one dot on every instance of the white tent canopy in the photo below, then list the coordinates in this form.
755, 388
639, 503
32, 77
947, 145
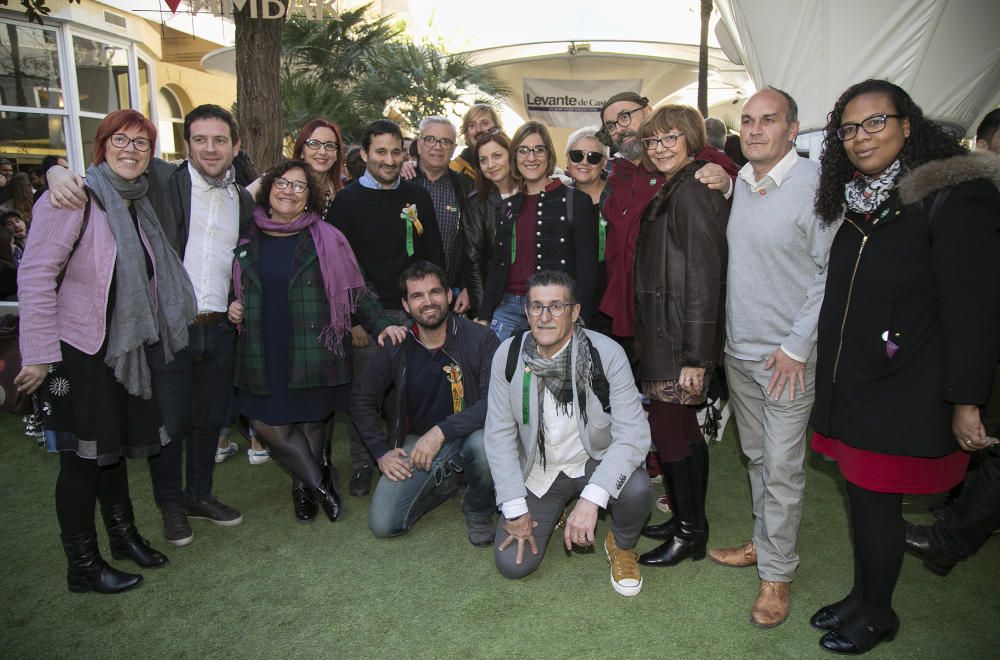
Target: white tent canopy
945, 53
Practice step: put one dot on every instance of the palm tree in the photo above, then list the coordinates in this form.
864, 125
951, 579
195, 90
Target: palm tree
361, 68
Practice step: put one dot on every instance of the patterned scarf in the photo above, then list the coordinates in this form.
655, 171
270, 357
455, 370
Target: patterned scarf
866, 193
141, 316
224, 181
342, 278
554, 375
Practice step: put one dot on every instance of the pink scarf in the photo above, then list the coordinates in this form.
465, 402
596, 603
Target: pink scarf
342, 278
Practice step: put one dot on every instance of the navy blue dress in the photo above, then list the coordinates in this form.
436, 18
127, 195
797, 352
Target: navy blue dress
284, 405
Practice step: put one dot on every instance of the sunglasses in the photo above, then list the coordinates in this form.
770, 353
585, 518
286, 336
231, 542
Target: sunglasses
593, 157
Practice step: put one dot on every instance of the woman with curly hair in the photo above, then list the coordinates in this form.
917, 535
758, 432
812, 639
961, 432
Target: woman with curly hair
908, 333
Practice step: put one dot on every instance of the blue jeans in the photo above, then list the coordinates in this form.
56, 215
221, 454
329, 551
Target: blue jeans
396, 505
192, 392
509, 316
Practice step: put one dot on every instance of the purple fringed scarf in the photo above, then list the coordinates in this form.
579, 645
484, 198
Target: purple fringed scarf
341, 275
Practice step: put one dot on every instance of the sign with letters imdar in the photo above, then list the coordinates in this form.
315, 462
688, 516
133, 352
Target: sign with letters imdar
571, 103
313, 10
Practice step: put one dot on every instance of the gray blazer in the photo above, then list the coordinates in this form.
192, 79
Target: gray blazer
619, 440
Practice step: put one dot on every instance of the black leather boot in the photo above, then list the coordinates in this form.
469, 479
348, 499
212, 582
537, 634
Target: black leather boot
126, 543
689, 539
663, 530
327, 497
88, 572
304, 505
699, 450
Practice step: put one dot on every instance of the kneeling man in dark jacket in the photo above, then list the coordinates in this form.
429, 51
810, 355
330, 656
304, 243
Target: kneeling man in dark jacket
434, 385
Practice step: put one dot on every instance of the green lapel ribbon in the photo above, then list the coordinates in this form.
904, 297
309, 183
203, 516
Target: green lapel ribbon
409, 233
526, 396
513, 241
602, 236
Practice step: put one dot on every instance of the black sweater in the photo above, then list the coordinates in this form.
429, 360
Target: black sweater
370, 219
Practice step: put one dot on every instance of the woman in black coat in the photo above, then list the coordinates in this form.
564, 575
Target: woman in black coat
908, 333
546, 226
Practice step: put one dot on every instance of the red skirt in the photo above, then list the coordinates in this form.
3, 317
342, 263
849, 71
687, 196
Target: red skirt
888, 473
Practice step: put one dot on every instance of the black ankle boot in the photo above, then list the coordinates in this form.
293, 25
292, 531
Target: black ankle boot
689, 540
88, 572
304, 505
126, 543
327, 497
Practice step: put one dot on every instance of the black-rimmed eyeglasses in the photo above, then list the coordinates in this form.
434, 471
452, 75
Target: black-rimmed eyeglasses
430, 141
121, 141
874, 124
593, 157
327, 146
623, 119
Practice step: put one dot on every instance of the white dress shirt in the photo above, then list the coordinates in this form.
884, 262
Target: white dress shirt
215, 227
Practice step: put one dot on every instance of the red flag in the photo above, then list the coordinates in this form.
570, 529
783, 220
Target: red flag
173, 4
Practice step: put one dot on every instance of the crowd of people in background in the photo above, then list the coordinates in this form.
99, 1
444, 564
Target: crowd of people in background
524, 337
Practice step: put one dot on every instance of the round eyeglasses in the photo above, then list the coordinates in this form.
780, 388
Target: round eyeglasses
121, 141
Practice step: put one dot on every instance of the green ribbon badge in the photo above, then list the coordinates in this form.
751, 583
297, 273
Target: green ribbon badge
602, 236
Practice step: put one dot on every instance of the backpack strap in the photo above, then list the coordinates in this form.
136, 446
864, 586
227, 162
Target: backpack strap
512, 353
602, 388
91, 199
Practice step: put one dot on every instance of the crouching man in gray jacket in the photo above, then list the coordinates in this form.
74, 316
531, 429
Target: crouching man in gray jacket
564, 420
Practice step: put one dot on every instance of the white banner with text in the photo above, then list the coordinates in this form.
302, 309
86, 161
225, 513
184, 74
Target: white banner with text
571, 103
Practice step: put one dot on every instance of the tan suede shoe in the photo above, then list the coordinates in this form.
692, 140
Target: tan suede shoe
737, 556
771, 608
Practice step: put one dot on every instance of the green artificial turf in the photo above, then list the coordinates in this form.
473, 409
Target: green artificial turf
273, 588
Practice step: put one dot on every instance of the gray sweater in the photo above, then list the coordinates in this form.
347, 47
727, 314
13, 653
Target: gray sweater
778, 252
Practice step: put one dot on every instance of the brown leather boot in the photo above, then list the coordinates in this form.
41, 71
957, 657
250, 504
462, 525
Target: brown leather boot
737, 556
771, 608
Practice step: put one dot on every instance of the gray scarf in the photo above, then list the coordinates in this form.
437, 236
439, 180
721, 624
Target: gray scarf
554, 375
141, 316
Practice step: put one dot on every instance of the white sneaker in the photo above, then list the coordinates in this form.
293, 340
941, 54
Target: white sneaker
222, 453
258, 457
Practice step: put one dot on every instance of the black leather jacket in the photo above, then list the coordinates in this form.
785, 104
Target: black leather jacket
480, 238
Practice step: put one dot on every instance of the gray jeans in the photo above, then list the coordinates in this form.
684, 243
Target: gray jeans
628, 515
773, 438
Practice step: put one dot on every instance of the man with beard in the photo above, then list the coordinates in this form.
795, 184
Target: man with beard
390, 223
632, 187
438, 378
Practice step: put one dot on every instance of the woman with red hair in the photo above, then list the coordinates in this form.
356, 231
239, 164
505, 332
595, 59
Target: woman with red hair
320, 145
99, 288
